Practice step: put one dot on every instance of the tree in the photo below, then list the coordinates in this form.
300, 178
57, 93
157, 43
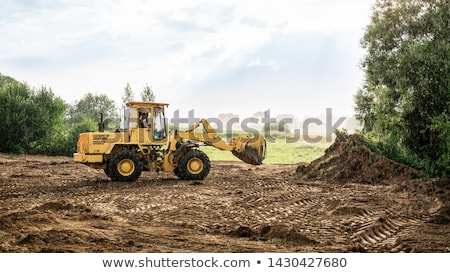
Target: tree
128, 94
91, 106
32, 120
147, 94
365, 107
14, 103
47, 122
406, 96
4, 80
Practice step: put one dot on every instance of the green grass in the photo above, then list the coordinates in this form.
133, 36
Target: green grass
279, 152
284, 150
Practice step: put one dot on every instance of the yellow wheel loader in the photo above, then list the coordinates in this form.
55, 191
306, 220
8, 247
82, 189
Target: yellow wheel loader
144, 144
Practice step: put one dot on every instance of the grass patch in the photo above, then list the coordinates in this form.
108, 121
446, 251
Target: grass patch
279, 152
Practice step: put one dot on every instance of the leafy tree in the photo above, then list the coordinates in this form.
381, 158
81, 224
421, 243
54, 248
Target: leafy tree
5, 80
14, 99
406, 97
91, 106
147, 94
128, 94
365, 108
47, 121
31, 119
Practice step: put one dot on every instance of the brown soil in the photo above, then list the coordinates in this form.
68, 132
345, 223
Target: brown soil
349, 159
51, 204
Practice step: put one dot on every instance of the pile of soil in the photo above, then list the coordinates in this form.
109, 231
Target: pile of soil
284, 233
350, 159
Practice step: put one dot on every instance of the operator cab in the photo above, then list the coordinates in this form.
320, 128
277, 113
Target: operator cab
145, 117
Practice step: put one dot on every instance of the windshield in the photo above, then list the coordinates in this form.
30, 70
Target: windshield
159, 124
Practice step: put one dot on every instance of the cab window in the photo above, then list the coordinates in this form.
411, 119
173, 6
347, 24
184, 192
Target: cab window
159, 124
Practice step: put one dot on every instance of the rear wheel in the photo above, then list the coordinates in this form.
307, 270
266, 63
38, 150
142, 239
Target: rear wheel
193, 165
125, 167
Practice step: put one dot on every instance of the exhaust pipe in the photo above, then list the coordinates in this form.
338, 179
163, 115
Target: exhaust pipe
101, 124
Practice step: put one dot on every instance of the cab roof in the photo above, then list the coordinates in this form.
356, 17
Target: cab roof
145, 104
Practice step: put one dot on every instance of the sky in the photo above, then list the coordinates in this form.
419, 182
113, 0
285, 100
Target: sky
241, 57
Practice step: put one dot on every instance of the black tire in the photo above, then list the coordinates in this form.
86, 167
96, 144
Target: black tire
125, 167
107, 170
176, 171
193, 165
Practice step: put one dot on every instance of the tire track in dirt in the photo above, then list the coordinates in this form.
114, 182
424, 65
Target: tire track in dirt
376, 227
237, 207
286, 201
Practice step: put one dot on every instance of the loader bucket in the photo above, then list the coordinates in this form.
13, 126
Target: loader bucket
251, 151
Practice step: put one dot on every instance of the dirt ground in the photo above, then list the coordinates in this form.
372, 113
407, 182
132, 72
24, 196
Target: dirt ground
51, 204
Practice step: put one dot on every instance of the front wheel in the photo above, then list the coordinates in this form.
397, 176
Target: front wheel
125, 167
193, 165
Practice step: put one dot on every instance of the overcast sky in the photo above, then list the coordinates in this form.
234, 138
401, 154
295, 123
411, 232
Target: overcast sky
289, 57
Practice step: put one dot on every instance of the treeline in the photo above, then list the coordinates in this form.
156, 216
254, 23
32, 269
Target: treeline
404, 104
35, 121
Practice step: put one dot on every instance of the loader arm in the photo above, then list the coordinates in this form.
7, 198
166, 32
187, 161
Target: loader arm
250, 149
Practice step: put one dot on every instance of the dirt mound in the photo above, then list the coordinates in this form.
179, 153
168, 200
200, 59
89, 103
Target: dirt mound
344, 211
351, 159
286, 234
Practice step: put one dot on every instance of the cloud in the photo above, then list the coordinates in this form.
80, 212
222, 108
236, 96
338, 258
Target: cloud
210, 54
